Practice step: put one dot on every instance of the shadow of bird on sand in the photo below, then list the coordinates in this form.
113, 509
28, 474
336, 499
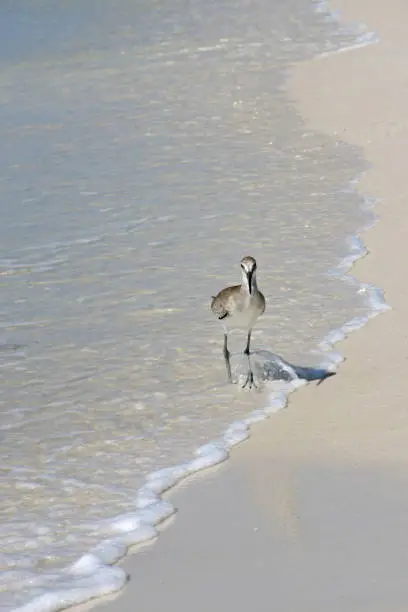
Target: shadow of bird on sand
270, 366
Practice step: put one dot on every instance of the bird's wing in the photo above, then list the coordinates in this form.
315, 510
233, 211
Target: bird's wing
218, 308
219, 304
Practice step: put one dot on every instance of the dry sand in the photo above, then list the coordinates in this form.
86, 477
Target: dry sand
312, 512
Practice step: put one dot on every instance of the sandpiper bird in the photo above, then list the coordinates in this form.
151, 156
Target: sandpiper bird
240, 306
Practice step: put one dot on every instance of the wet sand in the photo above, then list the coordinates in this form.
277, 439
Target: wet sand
312, 511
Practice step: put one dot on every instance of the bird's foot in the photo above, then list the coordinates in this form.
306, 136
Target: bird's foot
250, 382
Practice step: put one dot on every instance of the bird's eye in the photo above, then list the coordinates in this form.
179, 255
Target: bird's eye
243, 267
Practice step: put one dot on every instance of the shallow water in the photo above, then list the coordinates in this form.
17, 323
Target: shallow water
146, 149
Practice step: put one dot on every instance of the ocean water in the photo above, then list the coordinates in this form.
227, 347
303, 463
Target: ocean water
146, 147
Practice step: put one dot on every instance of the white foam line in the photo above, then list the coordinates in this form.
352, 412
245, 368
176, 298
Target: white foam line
363, 37
374, 297
95, 574
369, 39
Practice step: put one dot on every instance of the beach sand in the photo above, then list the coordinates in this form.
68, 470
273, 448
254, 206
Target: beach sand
312, 512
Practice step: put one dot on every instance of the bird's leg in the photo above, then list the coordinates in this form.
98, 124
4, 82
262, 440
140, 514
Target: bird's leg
227, 358
250, 377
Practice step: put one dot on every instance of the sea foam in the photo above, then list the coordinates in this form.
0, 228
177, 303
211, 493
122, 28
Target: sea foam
95, 574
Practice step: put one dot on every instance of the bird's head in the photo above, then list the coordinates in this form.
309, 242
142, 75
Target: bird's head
248, 270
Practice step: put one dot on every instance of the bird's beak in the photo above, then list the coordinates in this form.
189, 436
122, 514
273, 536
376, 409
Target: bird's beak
249, 277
